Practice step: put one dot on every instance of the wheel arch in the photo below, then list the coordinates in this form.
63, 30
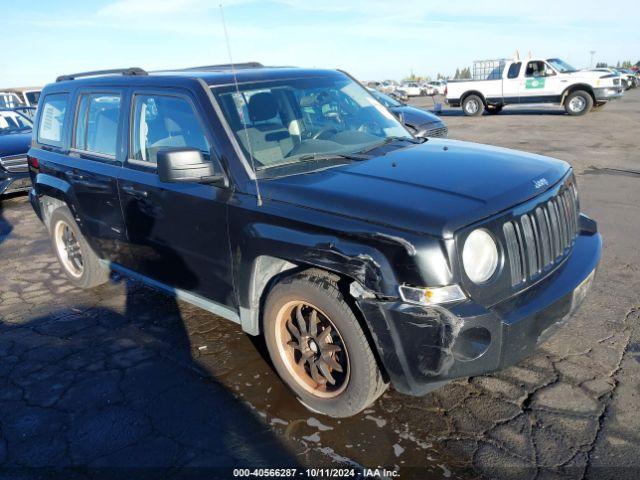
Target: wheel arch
52, 193
473, 92
575, 87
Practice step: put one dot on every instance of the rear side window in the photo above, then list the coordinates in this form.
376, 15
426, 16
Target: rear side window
160, 122
97, 124
514, 70
52, 119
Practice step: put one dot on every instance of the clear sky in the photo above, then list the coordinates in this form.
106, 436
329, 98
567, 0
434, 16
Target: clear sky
372, 39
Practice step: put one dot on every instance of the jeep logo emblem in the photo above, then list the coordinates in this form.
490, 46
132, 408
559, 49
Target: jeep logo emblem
541, 182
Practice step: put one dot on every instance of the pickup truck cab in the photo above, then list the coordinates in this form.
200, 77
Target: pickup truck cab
291, 202
534, 81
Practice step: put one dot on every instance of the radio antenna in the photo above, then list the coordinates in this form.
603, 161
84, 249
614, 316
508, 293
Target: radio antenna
235, 82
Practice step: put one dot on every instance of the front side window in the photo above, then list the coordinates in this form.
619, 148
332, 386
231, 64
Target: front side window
535, 69
33, 97
161, 122
97, 123
52, 119
285, 122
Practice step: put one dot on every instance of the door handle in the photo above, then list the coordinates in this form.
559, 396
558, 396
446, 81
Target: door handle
130, 190
74, 176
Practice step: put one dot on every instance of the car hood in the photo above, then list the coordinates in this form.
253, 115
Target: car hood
435, 188
416, 116
585, 74
14, 143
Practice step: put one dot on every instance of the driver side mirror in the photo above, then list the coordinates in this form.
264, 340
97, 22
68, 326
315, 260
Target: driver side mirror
187, 165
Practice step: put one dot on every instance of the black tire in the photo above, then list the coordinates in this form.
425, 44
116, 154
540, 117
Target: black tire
493, 109
578, 103
472, 105
362, 382
91, 273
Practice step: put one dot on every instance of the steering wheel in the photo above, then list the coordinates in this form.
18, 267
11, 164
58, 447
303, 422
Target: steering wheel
324, 132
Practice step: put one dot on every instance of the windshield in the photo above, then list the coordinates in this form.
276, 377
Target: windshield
386, 100
562, 67
289, 121
12, 122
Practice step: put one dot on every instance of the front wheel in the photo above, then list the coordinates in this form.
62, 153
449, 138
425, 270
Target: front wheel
578, 103
318, 347
472, 106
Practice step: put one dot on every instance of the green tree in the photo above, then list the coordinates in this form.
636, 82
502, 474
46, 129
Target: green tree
601, 65
457, 74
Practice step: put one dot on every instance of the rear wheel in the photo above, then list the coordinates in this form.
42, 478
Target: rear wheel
472, 106
80, 263
578, 103
318, 347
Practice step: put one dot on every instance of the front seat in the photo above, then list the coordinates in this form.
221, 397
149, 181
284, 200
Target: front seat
267, 138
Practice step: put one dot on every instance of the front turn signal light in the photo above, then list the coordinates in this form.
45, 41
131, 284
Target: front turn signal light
432, 295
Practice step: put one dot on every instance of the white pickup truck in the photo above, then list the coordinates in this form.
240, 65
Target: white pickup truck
518, 82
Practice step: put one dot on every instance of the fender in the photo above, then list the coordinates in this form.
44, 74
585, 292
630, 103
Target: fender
576, 86
472, 92
52, 192
265, 251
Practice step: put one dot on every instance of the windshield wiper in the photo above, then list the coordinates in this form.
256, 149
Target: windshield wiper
312, 157
330, 156
392, 139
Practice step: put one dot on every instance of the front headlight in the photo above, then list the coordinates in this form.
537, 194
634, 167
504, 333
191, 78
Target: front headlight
480, 256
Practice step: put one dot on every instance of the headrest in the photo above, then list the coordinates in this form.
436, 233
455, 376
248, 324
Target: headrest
262, 106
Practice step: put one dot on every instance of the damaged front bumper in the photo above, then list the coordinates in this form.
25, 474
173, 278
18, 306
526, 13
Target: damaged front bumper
423, 347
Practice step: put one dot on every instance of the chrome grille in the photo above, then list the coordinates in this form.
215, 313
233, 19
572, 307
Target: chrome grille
437, 132
14, 163
538, 239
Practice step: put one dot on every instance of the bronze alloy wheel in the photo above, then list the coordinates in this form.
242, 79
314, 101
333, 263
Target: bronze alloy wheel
312, 349
69, 249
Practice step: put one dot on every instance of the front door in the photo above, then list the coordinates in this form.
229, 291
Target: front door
177, 232
540, 83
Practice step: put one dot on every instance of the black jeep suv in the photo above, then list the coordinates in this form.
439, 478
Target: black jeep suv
292, 202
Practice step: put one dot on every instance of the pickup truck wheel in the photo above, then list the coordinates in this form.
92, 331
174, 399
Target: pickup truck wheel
578, 103
318, 347
80, 263
472, 105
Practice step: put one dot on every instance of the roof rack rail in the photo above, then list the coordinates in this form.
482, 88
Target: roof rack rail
96, 73
224, 66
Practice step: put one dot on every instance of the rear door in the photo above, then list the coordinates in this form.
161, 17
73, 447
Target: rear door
177, 232
511, 83
86, 170
95, 164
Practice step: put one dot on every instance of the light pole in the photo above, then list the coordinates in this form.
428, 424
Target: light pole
593, 52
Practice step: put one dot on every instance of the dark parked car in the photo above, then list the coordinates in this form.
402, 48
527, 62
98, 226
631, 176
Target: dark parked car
15, 140
418, 121
292, 202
